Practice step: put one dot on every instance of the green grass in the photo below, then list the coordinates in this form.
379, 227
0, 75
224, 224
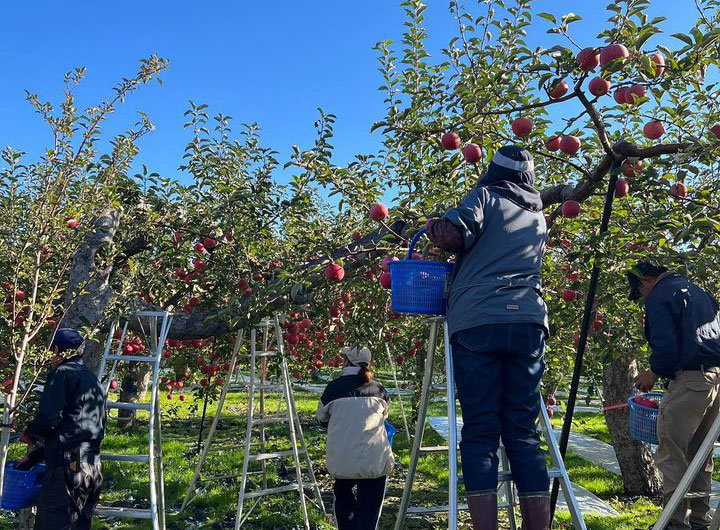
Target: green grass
214, 505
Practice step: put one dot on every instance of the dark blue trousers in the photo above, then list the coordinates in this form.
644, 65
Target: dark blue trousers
497, 372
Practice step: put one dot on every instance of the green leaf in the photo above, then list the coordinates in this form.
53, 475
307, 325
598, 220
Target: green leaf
683, 37
548, 16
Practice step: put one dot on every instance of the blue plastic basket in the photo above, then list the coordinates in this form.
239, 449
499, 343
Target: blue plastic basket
643, 420
390, 429
22, 488
419, 286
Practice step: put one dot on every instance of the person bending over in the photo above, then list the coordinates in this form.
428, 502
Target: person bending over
70, 422
682, 327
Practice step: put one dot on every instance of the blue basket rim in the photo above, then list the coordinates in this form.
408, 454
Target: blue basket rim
652, 395
421, 262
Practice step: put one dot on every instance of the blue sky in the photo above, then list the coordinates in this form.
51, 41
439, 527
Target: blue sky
271, 63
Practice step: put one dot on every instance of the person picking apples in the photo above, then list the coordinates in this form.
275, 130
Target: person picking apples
682, 327
498, 326
353, 408
71, 422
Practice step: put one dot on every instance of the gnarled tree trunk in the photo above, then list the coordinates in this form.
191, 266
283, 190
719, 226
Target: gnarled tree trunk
637, 465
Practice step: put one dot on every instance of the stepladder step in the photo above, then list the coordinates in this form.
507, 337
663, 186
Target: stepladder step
277, 454
124, 513
124, 458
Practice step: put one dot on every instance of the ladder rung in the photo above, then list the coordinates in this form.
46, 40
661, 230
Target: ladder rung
700, 495
270, 491
266, 421
278, 454
125, 458
423, 510
434, 449
119, 511
136, 358
127, 406
268, 388
506, 476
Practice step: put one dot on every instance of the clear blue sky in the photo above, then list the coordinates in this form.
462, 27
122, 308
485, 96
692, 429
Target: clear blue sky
268, 62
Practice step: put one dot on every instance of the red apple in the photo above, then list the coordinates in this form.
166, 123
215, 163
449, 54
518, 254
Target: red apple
633, 91
621, 188
659, 61
177, 236
19, 295
378, 212
570, 144
399, 360
653, 130
451, 140
551, 400
570, 208
357, 235
384, 264
588, 59
569, 295
297, 374
472, 153
71, 222
558, 90
599, 86
385, 280
334, 272
613, 51
181, 397
209, 242
199, 247
629, 170
553, 143
620, 95
113, 384
521, 126
678, 190
715, 129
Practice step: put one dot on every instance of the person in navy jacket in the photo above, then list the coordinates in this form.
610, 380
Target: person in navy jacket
682, 327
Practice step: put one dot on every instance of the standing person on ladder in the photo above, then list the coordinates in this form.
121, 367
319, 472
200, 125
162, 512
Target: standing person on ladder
498, 325
71, 422
682, 326
354, 407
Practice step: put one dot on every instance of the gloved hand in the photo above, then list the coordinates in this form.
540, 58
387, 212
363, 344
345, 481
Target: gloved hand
26, 438
29, 460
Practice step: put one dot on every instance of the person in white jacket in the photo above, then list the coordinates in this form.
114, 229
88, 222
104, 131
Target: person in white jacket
353, 408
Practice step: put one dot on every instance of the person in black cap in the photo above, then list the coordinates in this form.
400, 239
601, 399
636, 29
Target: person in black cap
682, 327
498, 325
70, 422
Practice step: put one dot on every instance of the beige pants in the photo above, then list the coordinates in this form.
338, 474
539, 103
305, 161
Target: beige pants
687, 411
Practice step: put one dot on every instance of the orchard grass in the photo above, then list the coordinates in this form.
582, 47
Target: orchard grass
215, 503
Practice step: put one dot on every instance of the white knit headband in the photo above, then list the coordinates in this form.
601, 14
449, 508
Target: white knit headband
516, 165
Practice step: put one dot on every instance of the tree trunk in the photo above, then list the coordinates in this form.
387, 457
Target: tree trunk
88, 292
134, 388
27, 519
637, 465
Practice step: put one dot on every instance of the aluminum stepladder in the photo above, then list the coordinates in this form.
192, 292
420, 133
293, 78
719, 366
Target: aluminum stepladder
149, 322
213, 427
504, 475
681, 492
298, 447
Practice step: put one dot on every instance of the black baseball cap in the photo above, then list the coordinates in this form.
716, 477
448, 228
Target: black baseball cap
634, 275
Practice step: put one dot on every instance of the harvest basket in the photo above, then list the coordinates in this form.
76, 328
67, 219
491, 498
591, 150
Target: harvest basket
643, 420
419, 286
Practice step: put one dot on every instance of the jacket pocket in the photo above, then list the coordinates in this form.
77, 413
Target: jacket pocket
698, 386
475, 339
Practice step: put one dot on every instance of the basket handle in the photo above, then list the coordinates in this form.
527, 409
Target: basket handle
415, 238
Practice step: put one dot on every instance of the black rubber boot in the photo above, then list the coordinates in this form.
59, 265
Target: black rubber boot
535, 511
483, 510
